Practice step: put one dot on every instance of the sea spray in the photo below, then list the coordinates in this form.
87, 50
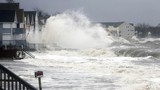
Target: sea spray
74, 30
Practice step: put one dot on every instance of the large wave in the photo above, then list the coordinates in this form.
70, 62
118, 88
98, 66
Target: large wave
74, 30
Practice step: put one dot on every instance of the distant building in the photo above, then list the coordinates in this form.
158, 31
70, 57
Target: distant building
29, 20
120, 29
34, 24
33, 21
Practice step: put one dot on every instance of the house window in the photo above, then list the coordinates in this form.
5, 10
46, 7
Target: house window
6, 25
18, 25
21, 25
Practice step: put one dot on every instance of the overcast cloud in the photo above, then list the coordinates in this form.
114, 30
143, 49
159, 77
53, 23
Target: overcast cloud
133, 11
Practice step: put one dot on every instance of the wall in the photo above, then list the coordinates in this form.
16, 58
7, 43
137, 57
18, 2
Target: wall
9, 25
11, 34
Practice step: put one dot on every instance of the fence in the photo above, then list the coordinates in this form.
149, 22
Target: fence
10, 81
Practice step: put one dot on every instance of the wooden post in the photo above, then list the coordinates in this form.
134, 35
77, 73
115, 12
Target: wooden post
40, 85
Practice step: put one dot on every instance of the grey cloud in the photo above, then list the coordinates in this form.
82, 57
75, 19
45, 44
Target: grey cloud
135, 11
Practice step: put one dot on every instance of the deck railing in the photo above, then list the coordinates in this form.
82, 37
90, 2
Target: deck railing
10, 81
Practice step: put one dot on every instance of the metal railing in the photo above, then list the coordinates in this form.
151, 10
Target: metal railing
10, 81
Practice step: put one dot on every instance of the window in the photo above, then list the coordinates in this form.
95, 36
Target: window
6, 25
18, 25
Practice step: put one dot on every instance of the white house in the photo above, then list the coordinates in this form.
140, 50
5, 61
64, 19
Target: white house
12, 30
120, 29
33, 21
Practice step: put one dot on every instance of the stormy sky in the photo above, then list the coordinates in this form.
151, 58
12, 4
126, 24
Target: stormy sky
133, 11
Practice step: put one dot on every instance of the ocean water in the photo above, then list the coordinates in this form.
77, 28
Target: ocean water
128, 67
81, 56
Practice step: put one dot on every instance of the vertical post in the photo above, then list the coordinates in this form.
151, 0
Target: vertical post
20, 88
23, 87
8, 78
12, 80
16, 88
11, 41
0, 78
4, 81
38, 75
40, 85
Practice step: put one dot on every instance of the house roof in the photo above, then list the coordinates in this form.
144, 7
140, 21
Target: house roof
9, 6
20, 15
31, 16
115, 24
7, 15
12, 7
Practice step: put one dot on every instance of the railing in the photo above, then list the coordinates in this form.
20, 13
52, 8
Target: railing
13, 42
28, 53
10, 81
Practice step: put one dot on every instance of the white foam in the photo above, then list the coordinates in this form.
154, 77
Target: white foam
72, 29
